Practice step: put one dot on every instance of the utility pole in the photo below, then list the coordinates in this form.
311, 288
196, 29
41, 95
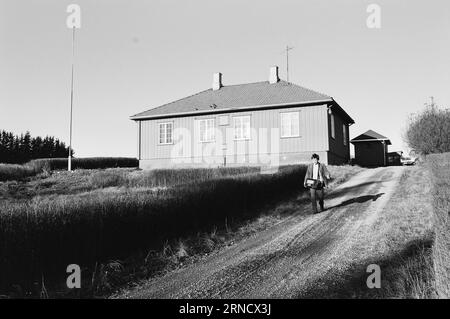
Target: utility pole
69, 165
73, 22
287, 61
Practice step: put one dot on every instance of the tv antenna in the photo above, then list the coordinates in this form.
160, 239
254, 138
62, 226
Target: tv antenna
288, 48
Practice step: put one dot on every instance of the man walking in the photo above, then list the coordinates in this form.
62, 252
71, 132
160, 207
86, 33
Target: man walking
316, 178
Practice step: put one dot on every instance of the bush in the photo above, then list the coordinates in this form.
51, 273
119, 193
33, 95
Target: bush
429, 131
440, 168
42, 236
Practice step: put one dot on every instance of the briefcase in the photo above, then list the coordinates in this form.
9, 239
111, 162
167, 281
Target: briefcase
313, 183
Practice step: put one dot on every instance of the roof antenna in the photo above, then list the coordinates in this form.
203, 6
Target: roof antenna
287, 61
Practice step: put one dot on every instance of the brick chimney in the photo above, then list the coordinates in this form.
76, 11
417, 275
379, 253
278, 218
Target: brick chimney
217, 81
273, 77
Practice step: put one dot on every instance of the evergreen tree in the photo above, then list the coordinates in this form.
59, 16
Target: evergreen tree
23, 148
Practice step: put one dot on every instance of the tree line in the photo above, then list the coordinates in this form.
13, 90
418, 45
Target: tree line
15, 149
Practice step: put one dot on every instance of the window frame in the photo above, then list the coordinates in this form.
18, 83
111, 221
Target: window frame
291, 135
344, 134
332, 127
243, 137
212, 137
165, 133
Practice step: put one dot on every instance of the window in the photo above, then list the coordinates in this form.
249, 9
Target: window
165, 133
206, 128
333, 135
290, 125
344, 133
242, 127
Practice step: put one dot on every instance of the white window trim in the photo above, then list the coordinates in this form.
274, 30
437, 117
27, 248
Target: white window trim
249, 128
281, 128
159, 133
213, 139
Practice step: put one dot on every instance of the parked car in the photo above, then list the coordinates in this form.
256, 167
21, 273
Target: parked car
408, 160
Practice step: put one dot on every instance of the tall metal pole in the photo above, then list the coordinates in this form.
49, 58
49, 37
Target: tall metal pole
69, 166
287, 61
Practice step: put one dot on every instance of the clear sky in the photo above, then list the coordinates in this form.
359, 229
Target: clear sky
135, 55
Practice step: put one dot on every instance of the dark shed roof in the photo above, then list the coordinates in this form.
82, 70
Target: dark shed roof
370, 136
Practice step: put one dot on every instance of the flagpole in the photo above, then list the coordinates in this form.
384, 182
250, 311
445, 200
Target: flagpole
69, 168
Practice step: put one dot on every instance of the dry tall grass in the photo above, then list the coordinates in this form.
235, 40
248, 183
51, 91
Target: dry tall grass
45, 165
439, 165
45, 234
14, 171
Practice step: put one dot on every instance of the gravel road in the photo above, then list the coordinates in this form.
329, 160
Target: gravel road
290, 258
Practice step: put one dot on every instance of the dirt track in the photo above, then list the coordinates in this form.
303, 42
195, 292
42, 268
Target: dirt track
290, 258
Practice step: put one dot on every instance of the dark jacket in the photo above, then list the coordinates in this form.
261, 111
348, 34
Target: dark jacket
323, 172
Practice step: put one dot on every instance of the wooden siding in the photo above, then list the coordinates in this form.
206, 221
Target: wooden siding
370, 154
338, 152
313, 137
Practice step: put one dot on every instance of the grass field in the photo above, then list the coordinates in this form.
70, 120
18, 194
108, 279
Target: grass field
97, 217
45, 165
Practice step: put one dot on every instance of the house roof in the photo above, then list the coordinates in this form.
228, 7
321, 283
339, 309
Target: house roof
239, 97
370, 136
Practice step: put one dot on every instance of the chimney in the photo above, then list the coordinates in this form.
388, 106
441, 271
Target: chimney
217, 81
273, 78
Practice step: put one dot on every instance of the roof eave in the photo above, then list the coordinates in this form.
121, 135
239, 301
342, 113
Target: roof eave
229, 109
372, 140
349, 118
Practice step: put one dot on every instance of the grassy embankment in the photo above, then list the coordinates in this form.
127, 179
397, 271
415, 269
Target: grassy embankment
407, 228
439, 165
139, 218
422, 269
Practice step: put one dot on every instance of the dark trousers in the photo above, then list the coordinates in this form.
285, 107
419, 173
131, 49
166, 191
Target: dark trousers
316, 195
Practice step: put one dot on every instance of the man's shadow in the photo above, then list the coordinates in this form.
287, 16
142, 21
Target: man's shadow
360, 199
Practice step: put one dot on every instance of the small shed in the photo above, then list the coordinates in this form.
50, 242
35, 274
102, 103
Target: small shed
371, 149
394, 158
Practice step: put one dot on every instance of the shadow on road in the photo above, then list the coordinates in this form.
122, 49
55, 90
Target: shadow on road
359, 199
401, 273
350, 189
